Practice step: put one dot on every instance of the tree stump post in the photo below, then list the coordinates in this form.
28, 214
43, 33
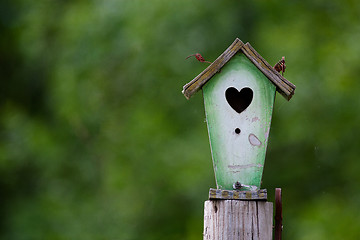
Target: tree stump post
238, 219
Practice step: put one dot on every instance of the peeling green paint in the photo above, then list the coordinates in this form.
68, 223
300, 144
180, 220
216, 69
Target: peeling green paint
238, 140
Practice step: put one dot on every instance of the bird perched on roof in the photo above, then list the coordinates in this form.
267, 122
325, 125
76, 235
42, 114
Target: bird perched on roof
198, 57
280, 66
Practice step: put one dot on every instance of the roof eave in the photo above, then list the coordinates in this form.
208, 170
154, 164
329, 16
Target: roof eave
193, 86
283, 86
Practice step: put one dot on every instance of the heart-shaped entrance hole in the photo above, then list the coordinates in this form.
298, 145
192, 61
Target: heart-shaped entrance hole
239, 101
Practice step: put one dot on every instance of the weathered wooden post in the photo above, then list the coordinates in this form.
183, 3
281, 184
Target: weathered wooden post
239, 92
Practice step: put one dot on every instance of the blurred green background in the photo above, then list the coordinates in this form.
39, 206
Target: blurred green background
97, 141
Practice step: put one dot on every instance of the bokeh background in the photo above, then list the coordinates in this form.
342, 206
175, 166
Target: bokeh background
97, 141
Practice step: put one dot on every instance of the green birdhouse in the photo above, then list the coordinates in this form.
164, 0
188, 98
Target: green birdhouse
239, 91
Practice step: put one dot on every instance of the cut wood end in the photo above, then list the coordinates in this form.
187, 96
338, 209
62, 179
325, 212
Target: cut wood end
288, 97
186, 93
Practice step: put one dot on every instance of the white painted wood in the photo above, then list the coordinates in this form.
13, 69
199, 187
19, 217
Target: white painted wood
240, 220
238, 140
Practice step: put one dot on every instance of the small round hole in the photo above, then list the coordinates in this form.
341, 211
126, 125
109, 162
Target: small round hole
237, 130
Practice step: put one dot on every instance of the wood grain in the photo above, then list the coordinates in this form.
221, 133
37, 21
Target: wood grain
233, 219
192, 87
284, 87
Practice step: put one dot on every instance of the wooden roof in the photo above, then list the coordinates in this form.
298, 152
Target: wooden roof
283, 86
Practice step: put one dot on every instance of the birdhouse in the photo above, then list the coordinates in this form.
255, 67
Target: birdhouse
239, 91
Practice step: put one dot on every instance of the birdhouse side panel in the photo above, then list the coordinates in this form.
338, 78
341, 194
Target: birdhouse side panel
238, 104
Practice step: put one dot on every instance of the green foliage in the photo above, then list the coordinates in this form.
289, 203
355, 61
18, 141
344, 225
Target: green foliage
97, 141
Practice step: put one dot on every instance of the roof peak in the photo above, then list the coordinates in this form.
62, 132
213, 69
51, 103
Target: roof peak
283, 86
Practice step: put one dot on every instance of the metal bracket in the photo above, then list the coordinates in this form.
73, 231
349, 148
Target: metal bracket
278, 214
237, 195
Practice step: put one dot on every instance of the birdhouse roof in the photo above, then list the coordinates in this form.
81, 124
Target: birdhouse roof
283, 86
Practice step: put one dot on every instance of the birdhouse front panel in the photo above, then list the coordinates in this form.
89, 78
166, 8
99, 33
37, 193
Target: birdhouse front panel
238, 104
